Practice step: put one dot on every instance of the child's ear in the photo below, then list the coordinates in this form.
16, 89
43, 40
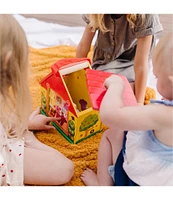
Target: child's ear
7, 59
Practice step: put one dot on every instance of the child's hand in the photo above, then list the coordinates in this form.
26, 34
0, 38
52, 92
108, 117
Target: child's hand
38, 121
113, 79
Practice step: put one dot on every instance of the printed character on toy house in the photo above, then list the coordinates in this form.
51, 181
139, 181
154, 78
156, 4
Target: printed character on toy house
55, 106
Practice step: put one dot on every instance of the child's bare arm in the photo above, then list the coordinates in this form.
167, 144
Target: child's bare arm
85, 43
116, 116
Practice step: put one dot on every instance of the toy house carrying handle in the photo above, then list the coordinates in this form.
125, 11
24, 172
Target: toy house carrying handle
66, 63
77, 67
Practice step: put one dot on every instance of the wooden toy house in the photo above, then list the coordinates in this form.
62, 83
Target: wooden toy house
73, 92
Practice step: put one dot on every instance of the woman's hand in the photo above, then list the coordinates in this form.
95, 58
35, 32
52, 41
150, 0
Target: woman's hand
38, 121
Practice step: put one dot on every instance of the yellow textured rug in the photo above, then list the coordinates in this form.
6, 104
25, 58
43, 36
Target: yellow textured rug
83, 154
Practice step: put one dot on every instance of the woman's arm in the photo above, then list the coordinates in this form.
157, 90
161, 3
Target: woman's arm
141, 67
85, 43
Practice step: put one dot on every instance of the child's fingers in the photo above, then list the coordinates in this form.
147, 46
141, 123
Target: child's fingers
53, 119
49, 127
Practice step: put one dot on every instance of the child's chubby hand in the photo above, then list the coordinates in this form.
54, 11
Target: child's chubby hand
114, 80
38, 121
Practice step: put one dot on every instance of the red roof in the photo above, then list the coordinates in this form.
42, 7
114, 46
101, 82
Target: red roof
95, 82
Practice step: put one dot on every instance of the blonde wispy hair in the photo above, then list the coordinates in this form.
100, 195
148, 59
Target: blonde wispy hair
97, 21
15, 100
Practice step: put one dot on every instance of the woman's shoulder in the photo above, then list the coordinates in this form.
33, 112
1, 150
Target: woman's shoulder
152, 19
147, 24
144, 19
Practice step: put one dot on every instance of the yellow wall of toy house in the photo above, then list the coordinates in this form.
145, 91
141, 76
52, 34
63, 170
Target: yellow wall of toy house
80, 134
77, 88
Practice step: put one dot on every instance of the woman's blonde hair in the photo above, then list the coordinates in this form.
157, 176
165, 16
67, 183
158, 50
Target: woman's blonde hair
97, 21
14, 91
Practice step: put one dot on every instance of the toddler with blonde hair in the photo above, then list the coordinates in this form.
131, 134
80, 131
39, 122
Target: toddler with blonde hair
23, 158
137, 149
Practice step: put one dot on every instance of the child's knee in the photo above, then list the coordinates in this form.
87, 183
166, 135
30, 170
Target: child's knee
69, 171
113, 135
62, 172
107, 135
